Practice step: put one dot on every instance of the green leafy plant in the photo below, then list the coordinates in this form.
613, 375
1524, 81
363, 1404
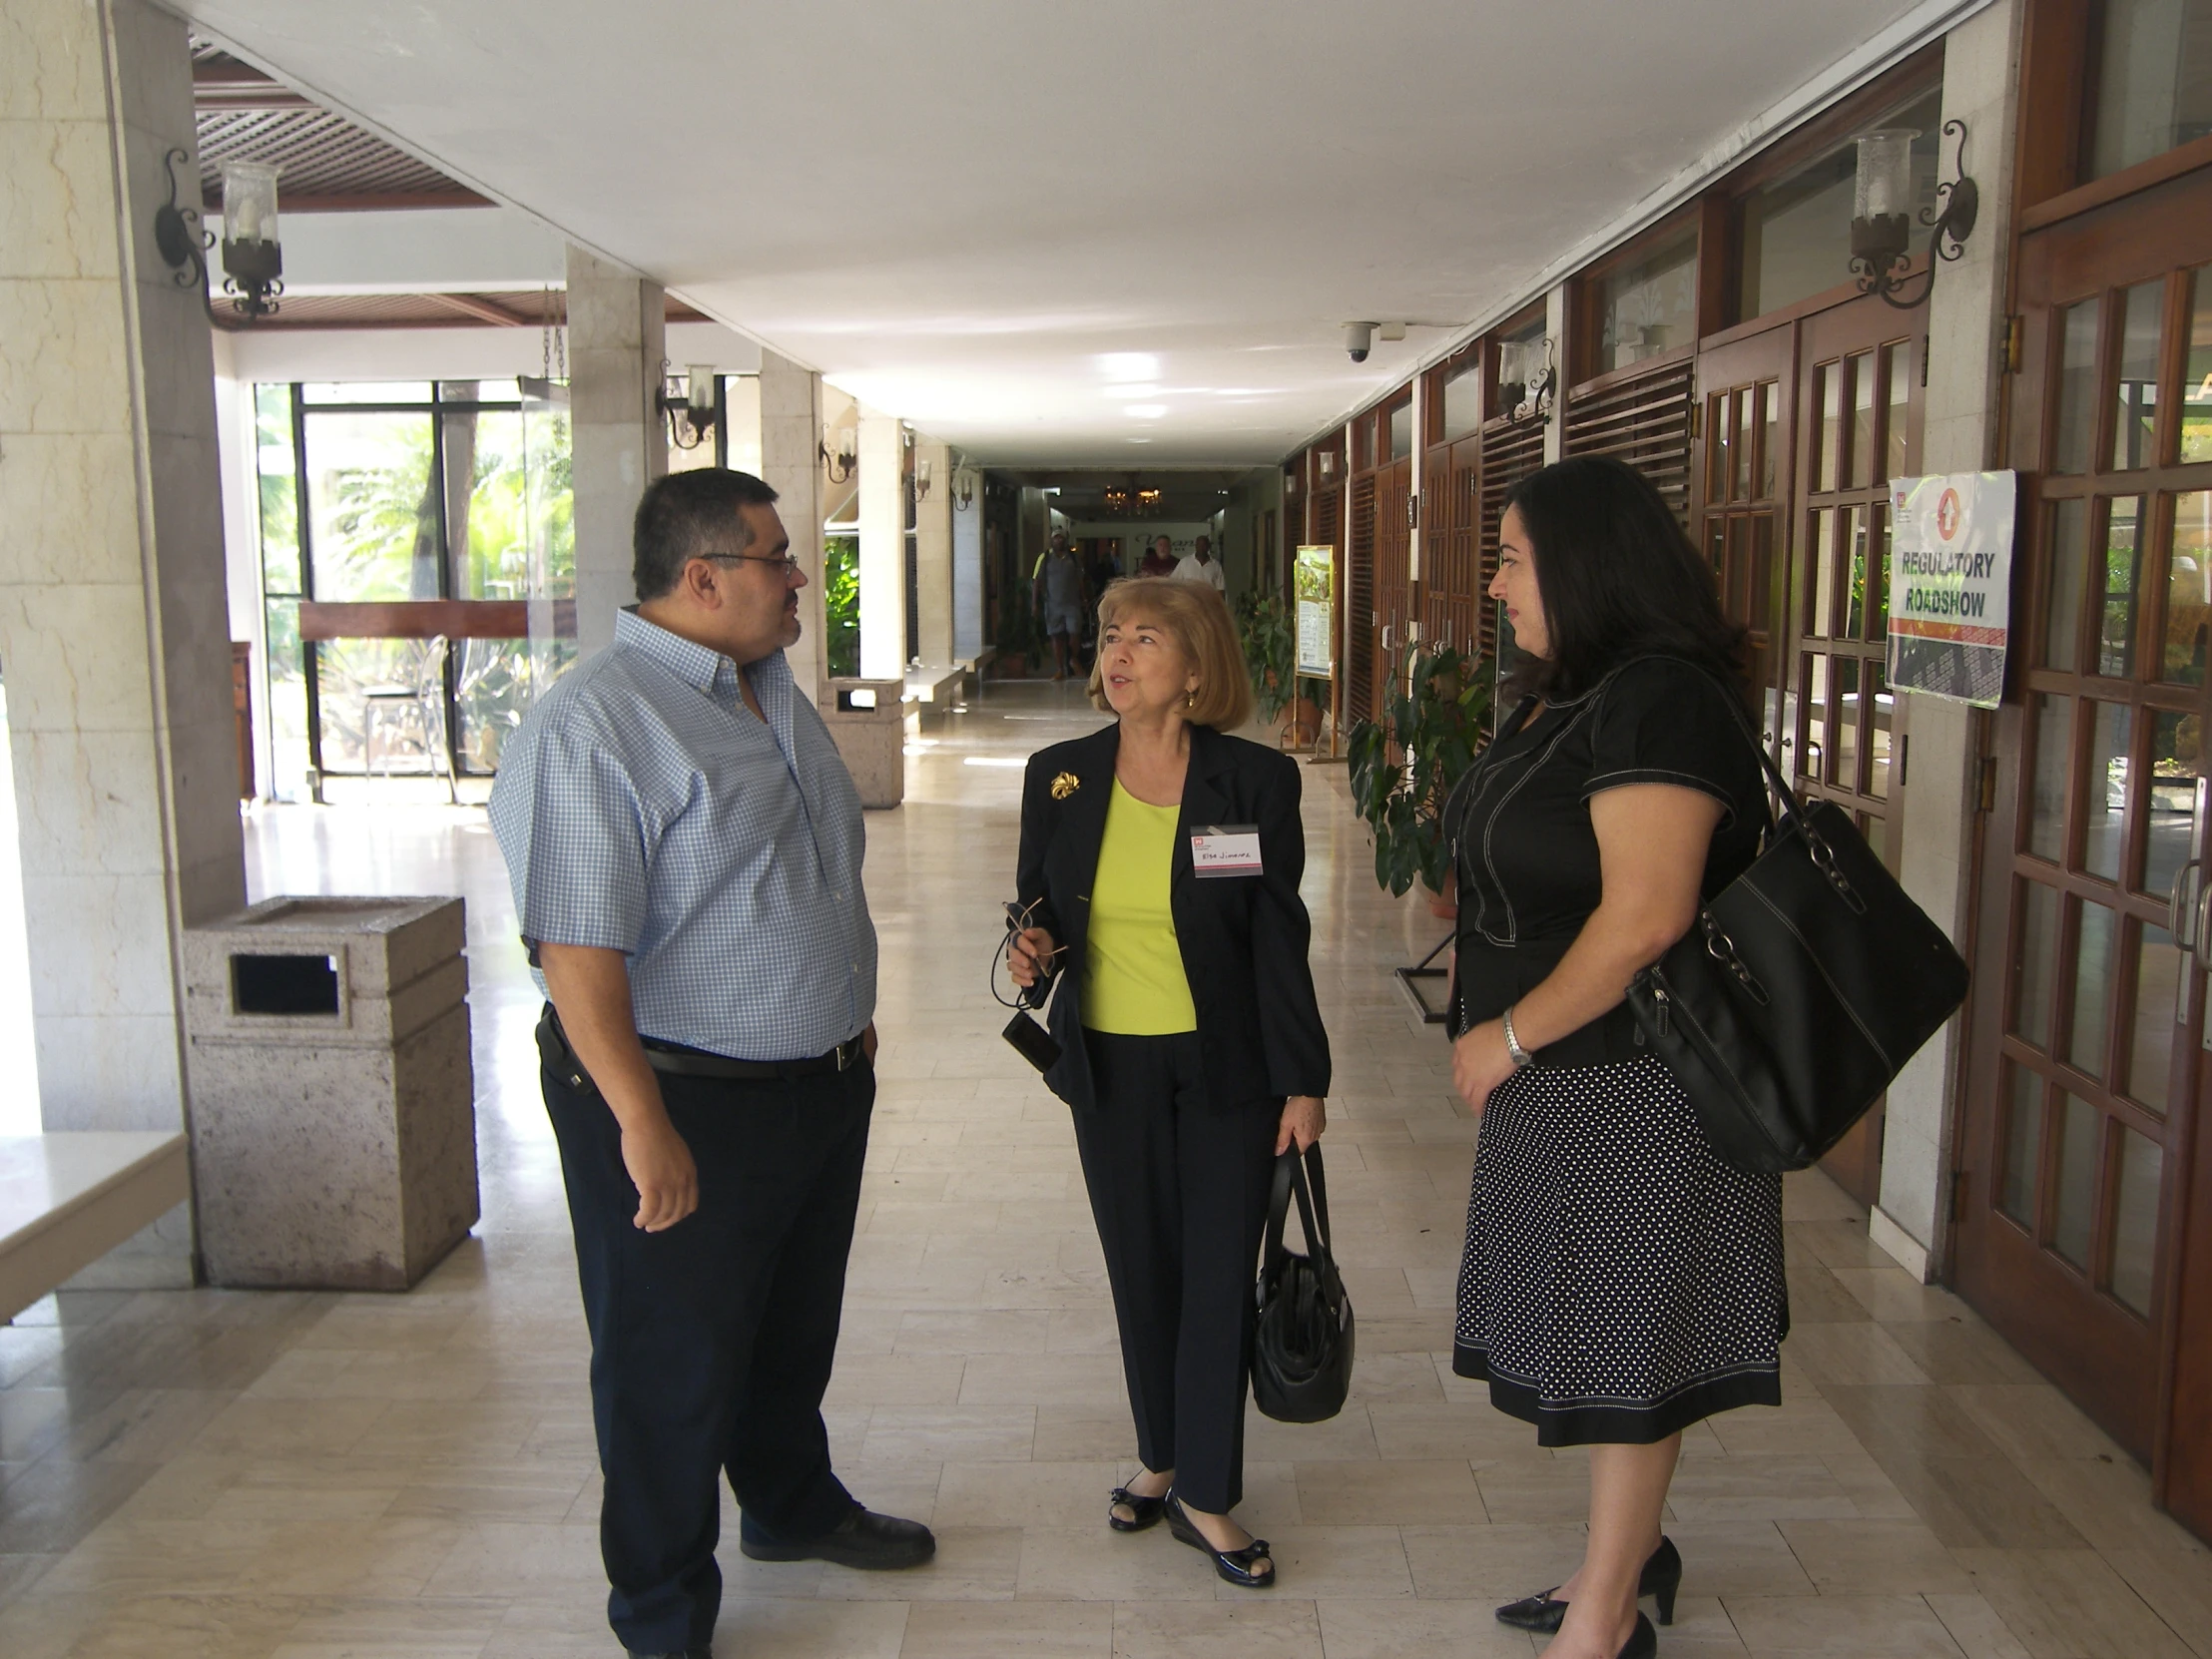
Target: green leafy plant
1263, 630
841, 604
1404, 764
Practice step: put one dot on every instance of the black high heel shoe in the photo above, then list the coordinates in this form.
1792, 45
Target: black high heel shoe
1143, 1512
1643, 1641
1661, 1579
1235, 1565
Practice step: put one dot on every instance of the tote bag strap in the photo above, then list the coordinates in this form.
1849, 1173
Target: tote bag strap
1292, 1177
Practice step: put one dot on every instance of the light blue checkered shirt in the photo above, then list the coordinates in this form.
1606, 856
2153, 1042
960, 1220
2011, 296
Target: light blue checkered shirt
643, 809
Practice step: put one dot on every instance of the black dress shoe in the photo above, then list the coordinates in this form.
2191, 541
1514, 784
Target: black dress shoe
1661, 1579
1235, 1565
1143, 1512
688, 1653
863, 1539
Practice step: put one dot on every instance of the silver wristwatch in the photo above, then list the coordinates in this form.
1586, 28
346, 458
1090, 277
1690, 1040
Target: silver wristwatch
1520, 1056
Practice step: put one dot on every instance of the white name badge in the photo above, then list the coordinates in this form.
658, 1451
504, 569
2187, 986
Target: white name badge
1226, 850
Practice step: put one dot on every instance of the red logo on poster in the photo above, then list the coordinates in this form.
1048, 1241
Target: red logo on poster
1948, 516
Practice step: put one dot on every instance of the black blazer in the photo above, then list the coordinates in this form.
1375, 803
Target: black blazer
1243, 938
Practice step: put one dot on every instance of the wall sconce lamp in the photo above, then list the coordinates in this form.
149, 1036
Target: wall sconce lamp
964, 491
1328, 460
252, 258
922, 471
689, 405
1881, 221
1528, 364
840, 452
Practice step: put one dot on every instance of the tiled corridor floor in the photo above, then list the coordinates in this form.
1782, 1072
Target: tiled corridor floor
238, 1476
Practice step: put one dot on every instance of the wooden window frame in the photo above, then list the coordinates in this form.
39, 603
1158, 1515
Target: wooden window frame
1432, 399
1585, 296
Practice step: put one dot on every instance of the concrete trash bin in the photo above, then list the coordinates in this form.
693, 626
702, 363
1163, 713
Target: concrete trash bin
334, 1109
868, 720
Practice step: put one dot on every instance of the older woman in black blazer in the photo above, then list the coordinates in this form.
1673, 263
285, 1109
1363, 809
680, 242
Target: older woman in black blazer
1160, 862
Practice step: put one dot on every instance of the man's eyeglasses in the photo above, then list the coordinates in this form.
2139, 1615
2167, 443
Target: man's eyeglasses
788, 561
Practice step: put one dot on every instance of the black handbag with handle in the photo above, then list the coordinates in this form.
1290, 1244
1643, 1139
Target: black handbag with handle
1302, 1352
1800, 992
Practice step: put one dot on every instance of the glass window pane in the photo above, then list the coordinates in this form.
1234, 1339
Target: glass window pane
2123, 575
549, 501
1877, 576
1796, 232
1875, 831
2046, 812
491, 537
1650, 306
2196, 374
1463, 399
2176, 763
1717, 463
1716, 554
1898, 423
2068, 567
1855, 582
1847, 721
494, 684
2158, 971
373, 510
2189, 588
380, 701
2076, 1186
365, 392
279, 489
2036, 963
2142, 332
287, 702
1862, 420
1770, 432
2077, 370
1401, 431
1813, 716
2104, 788
1745, 424
2094, 962
2154, 81
1821, 602
1828, 399
2135, 1219
2023, 1144
1758, 610
1883, 711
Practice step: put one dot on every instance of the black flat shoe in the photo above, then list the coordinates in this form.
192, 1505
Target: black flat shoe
1235, 1565
863, 1539
1143, 1512
1661, 1579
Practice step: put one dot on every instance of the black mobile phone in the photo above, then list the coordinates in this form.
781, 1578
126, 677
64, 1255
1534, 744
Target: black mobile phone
1032, 1041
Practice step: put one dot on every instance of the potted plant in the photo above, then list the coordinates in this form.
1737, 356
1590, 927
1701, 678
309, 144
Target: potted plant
1263, 630
1403, 765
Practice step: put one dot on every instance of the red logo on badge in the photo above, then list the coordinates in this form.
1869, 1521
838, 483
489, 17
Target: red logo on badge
1948, 516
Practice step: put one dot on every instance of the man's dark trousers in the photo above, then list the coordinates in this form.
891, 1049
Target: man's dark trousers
712, 1342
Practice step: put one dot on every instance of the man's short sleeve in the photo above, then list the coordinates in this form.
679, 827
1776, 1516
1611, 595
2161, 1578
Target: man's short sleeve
1662, 720
587, 846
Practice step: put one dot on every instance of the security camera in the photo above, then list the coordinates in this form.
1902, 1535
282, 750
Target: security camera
1358, 337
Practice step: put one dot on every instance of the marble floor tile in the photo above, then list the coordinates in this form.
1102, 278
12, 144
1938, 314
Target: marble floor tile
1009, 1631
1356, 1492
1846, 1626
1253, 1628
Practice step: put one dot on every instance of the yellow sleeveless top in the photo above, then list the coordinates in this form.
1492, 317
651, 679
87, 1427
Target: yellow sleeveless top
1133, 982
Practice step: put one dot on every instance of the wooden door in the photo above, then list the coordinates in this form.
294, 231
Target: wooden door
1394, 573
2081, 1221
1361, 622
1451, 583
1858, 426
1741, 477
1510, 453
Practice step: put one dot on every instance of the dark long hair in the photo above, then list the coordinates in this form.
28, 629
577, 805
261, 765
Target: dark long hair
1618, 577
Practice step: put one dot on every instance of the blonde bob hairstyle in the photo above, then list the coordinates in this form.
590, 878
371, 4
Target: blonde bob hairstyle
1197, 619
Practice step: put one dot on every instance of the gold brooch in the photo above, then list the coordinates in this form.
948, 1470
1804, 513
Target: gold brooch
1065, 784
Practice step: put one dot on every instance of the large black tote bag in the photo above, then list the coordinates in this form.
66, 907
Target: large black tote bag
1301, 1351
1800, 992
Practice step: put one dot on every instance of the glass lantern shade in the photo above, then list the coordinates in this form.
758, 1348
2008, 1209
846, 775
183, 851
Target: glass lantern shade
1883, 188
699, 388
248, 202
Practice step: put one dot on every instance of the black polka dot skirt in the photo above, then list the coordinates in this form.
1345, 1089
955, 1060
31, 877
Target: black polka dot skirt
1620, 1282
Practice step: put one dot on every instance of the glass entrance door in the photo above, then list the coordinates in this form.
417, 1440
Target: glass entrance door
2088, 998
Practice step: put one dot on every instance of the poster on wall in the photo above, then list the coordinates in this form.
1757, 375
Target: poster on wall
1317, 607
1951, 584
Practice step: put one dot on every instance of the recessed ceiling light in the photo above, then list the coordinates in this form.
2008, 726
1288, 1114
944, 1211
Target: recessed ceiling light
1139, 440
1146, 412
1140, 389
1128, 365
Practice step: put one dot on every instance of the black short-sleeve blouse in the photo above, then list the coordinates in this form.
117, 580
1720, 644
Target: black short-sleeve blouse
1527, 857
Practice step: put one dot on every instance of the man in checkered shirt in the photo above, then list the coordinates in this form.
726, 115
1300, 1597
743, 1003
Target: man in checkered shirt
685, 849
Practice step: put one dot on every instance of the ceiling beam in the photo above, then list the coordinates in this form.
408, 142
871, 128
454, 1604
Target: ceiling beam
483, 311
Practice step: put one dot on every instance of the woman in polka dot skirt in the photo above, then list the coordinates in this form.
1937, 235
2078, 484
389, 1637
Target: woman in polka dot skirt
1620, 1282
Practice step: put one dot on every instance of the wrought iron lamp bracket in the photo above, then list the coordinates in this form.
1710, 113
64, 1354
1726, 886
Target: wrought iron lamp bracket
179, 236
1950, 219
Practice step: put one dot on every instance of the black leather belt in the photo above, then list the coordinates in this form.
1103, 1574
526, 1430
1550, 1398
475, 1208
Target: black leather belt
675, 1060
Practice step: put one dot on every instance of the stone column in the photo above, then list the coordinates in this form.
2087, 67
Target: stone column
790, 437
113, 631
882, 546
617, 336
933, 553
1966, 327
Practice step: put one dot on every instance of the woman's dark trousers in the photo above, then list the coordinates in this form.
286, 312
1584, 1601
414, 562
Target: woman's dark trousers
712, 1342
1180, 1193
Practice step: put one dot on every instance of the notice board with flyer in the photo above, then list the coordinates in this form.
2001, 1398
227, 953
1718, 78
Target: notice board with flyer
1314, 586
1951, 584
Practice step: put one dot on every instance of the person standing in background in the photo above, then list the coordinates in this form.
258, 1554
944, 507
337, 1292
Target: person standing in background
1201, 566
1159, 559
1059, 599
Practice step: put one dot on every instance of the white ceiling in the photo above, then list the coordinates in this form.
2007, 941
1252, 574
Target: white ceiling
996, 217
